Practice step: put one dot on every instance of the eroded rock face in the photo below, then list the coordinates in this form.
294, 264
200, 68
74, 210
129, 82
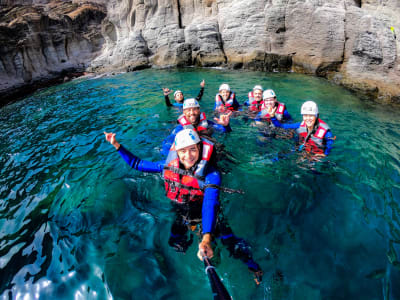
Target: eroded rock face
349, 42
42, 42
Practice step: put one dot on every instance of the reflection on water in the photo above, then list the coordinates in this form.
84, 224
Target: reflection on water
76, 222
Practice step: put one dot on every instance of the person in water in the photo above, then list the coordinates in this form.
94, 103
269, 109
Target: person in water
194, 119
225, 99
178, 95
270, 104
192, 182
255, 99
315, 136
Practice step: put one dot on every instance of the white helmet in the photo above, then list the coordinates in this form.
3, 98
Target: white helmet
224, 86
185, 138
309, 108
257, 87
177, 92
189, 103
269, 94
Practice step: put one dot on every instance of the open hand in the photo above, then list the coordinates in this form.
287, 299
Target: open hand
110, 137
203, 83
224, 119
167, 91
271, 111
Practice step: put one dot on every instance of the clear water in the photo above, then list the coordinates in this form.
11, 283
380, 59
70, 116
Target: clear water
77, 223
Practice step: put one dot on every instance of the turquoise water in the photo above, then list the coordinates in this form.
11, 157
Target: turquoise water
77, 223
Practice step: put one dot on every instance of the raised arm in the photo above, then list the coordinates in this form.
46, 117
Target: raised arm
132, 160
166, 92
200, 95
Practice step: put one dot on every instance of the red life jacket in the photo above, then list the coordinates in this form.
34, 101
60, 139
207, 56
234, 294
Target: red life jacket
181, 185
219, 101
315, 143
253, 104
203, 124
278, 113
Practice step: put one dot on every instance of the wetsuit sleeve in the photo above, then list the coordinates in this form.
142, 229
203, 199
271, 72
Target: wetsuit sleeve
167, 102
258, 117
329, 142
236, 104
284, 126
139, 164
211, 201
167, 143
219, 127
286, 115
200, 95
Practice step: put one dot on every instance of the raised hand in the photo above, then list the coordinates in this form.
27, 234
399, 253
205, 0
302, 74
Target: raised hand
271, 111
203, 83
224, 119
167, 91
110, 137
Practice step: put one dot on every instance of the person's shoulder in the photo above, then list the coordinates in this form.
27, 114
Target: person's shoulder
177, 128
324, 125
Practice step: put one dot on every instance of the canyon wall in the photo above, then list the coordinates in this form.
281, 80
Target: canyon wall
350, 42
43, 41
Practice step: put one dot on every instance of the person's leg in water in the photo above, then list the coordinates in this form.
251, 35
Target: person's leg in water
237, 247
179, 238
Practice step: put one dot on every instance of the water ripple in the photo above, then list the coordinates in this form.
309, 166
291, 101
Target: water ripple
76, 222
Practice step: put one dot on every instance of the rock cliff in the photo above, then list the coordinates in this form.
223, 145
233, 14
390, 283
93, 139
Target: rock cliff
42, 41
350, 42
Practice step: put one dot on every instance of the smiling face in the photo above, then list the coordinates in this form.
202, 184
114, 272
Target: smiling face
192, 114
269, 102
257, 95
179, 97
189, 155
224, 94
309, 120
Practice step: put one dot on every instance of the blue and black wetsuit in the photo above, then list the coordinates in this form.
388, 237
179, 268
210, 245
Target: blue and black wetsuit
327, 140
167, 143
207, 213
285, 116
177, 104
231, 103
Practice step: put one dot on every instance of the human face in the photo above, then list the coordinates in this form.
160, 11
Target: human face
179, 97
309, 120
269, 102
257, 95
189, 155
192, 114
224, 94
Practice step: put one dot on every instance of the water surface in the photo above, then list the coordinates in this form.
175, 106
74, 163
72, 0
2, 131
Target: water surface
77, 222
